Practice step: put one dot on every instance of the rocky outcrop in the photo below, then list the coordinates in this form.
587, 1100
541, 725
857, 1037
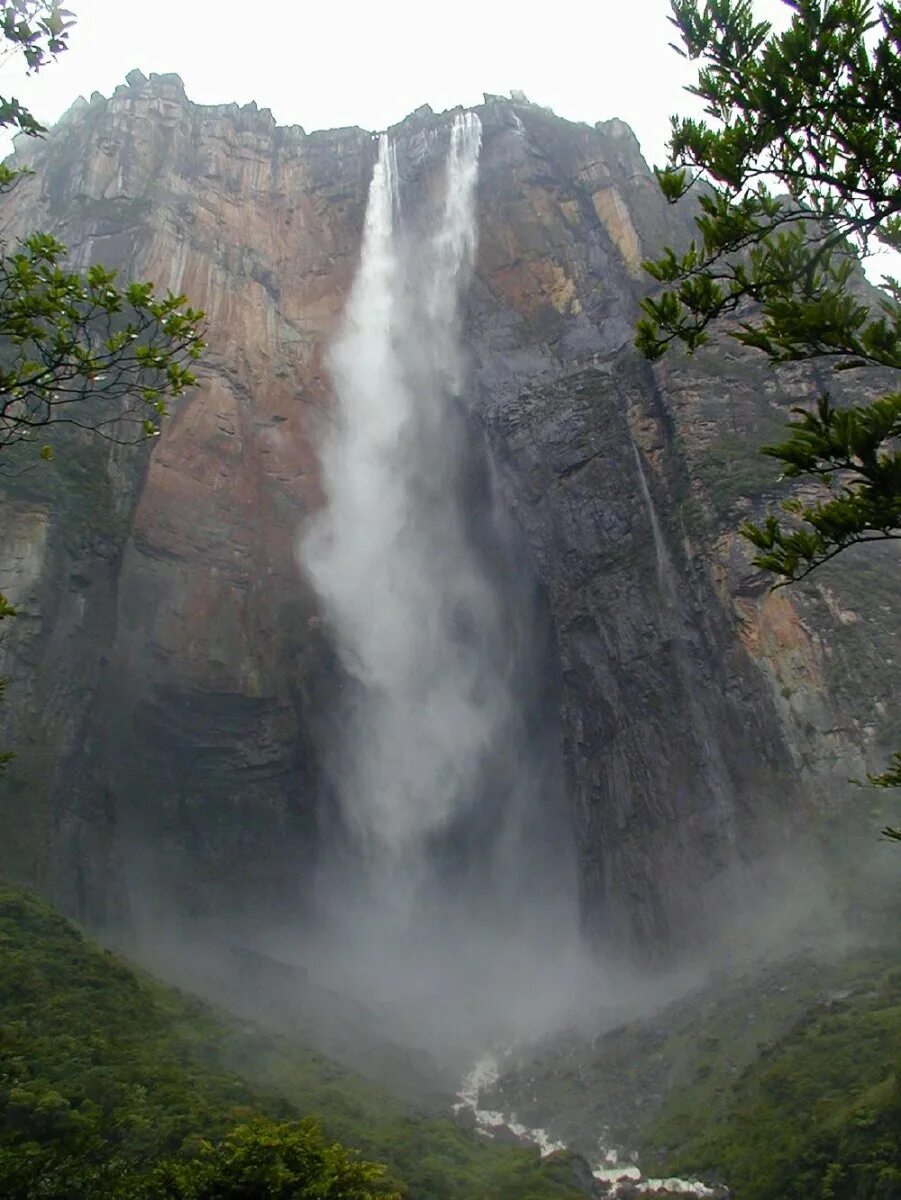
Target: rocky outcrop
172, 682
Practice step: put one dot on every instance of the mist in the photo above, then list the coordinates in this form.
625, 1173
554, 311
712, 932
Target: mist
446, 889
443, 917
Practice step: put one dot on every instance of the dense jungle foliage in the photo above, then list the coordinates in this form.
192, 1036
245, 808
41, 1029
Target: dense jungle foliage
113, 1085
816, 1115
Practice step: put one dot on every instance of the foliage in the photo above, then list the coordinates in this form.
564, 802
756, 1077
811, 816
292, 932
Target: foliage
85, 352
40, 30
79, 349
262, 1160
889, 778
817, 1116
829, 444
281, 1161
113, 1085
814, 109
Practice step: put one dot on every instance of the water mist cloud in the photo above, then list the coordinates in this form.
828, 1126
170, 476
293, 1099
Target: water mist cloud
455, 886
389, 554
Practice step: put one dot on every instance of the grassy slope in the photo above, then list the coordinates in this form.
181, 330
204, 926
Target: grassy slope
87, 1042
816, 1116
781, 1081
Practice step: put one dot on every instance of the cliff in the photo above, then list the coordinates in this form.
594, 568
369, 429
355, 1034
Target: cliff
172, 683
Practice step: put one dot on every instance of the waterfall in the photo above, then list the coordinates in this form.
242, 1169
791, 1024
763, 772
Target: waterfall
389, 554
458, 879
677, 626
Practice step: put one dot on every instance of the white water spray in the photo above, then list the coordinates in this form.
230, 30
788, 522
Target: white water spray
448, 887
388, 555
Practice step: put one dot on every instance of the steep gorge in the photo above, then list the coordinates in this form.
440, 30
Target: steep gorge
174, 684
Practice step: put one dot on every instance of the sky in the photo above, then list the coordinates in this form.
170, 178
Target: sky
327, 63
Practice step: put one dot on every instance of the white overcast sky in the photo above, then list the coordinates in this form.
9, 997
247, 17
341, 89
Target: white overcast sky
326, 63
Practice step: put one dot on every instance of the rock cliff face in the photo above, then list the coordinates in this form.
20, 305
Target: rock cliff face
172, 683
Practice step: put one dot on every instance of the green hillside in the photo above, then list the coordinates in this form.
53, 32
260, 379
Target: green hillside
112, 1084
781, 1080
817, 1114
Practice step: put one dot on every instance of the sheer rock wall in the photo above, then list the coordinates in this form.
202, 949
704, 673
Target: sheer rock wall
172, 681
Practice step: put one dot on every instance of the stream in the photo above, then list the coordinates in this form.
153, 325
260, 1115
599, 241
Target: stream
616, 1179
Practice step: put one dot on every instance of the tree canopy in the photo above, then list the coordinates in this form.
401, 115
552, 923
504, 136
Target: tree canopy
78, 348
796, 171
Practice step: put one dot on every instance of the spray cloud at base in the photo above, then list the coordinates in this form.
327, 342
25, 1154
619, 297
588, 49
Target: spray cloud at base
444, 892
447, 885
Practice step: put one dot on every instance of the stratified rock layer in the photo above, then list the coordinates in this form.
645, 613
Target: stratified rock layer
173, 683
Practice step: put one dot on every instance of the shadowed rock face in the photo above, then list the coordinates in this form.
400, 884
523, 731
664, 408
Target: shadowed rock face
173, 684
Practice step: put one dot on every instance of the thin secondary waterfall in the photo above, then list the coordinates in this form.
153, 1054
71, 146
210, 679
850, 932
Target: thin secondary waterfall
713, 766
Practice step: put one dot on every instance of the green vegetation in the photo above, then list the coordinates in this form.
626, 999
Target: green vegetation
781, 1081
817, 1116
815, 109
114, 1085
80, 350
77, 349
40, 30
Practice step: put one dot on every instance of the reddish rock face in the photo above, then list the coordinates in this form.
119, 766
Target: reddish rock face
173, 682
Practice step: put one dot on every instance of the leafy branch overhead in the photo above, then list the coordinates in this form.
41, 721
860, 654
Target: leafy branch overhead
889, 778
795, 169
814, 112
40, 31
845, 450
79, 348
82, 350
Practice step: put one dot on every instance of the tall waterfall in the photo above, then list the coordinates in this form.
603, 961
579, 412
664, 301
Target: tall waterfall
390, 556
447, 793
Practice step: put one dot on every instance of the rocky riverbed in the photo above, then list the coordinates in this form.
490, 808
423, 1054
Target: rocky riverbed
607, 1174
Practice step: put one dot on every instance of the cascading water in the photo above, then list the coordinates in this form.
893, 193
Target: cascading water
388, 556
456, 863
678, 628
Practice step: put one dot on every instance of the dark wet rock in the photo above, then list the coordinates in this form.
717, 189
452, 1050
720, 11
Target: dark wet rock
171, 681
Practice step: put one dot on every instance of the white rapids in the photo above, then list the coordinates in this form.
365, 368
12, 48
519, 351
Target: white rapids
483, 1075
605, 1168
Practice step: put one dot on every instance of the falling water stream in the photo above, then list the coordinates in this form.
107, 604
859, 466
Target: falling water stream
390, 557
678, 630
455, 879
452, 902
